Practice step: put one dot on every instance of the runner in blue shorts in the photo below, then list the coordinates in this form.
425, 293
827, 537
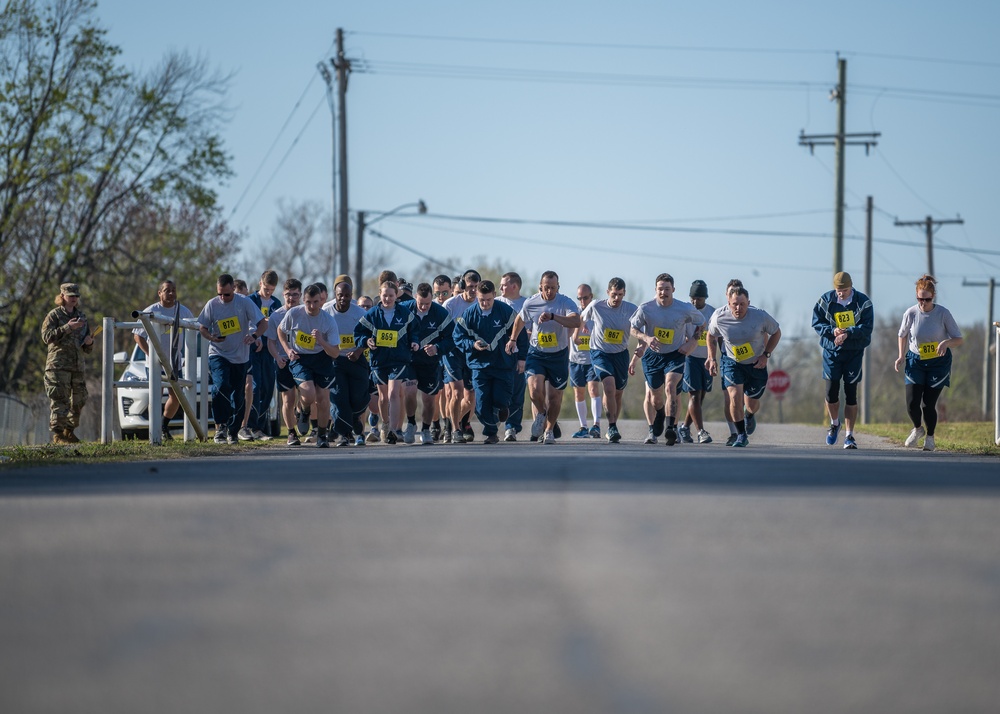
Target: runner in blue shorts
550, 317
609, 348
661, 326
287, 392
582, 376
697, 382
748, 336
843, 318
510, 293
310, 338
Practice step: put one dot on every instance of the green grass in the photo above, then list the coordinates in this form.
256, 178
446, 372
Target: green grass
120, 451
974, 437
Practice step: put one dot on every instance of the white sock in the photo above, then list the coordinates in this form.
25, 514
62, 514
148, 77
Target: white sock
581, 411
595, 408
836, 422
732, 427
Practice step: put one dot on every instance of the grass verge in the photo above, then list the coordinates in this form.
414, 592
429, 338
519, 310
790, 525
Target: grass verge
974, 437
118, 451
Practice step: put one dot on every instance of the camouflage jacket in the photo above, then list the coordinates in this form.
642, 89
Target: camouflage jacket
66, 348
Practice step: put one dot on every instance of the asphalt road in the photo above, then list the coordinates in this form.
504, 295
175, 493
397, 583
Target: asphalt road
580, 577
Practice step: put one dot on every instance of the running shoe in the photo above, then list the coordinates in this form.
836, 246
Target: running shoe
914, 437
741, 441
165, 433
373, 436
650, 439
491, 439
221, 435
831, 434
436, 431
232, 439
245, 434
457, 437
322, 441
731, 440
389, 436
670, 435
849, 442
343, 441
426, 437
684, 434
469, 434
614, 436
359, 440
293, 440
557, 432
751, 422
302, 421
410, 434
595, 431
550, 437
260, 435
583, 433
537, 426
928, 443
658, 421
704, 437
311, 438
510, 434
445, 436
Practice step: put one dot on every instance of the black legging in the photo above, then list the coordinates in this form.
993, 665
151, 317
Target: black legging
833, 392
915, 393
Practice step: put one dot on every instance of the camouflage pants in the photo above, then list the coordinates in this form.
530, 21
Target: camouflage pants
67, 392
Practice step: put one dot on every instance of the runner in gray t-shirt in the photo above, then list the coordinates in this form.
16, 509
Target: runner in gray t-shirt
582, 376
609, 348
550, 316
749, 335
661, 328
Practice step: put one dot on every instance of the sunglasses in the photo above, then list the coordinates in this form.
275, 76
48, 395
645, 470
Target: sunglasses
225, 295
920, 299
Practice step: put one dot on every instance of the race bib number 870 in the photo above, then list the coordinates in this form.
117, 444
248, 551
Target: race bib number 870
229, 326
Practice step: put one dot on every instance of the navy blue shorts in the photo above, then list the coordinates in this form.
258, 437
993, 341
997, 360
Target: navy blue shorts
656, 366
696, 377
753, 380
383, 373
845, 366
934, 372
611, 364
553, 366
429, 376
581, 374
456, 369
284, 380
317, 368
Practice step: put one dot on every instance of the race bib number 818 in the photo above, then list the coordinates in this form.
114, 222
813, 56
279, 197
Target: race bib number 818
547, 339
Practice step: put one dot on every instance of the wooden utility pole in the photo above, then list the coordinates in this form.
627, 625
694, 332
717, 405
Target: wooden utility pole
343, 67
838, 141
867, 359
987, 341
929, 224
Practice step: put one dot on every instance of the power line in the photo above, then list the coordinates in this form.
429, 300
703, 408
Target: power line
402, 245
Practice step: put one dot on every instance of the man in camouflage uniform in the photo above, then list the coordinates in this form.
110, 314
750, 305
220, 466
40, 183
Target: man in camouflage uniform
68, 338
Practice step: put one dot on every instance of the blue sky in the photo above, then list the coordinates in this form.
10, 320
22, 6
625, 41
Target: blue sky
680, 115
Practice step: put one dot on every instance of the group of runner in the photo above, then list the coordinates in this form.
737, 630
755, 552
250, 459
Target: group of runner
463, 346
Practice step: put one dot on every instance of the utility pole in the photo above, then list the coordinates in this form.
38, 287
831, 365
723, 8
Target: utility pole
343, 67
359, 250
328, 78
838, 141
929, 224
987, 341
867, 363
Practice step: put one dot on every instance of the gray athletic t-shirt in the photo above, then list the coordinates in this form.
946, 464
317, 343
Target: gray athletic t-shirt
924, 330
297, 324
272, 330
234, 321
457, 304
744, 339
611, 325
667, 323
701, 351
168, 312
548, 336
346, 322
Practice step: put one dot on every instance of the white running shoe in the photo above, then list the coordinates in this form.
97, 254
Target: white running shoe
538, 426
914, 437
425, 437
410, 434
928, 443
550, 438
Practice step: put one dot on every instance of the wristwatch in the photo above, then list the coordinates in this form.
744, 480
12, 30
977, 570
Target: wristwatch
768, 355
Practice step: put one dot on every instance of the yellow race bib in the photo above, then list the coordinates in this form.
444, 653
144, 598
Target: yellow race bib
928, 350
703, 338
229, 326
265, 311
584, 343
305, 340
347, 342
613, 337
386, 338
743, 352
664, 336
844, 319
547, 339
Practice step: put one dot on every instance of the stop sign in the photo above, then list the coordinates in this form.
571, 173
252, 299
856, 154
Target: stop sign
778, 381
